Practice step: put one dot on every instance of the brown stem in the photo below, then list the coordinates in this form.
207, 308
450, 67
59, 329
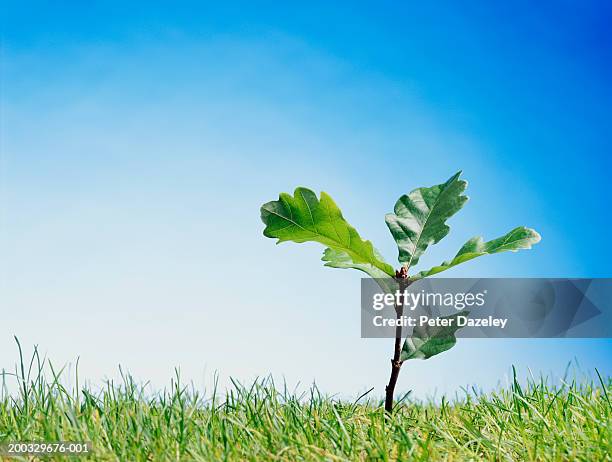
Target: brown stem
396, 364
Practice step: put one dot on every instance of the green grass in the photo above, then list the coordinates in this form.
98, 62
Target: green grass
267, 422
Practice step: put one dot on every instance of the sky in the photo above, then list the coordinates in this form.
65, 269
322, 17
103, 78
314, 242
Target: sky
137, 145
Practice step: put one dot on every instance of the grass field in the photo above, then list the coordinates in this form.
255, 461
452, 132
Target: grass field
571, 421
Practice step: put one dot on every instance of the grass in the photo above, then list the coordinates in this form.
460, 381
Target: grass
265, 422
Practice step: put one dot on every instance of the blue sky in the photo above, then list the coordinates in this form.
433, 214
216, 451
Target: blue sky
137, 147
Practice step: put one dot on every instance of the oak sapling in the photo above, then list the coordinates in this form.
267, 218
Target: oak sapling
418, 221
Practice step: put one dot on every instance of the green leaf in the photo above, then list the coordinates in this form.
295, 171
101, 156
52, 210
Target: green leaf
427, 341
419, 218
340, 259
304, 218
518, 238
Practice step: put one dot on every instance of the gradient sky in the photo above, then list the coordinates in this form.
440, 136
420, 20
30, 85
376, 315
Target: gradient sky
137, 144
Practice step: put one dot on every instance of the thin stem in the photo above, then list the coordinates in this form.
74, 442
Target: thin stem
396, 364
